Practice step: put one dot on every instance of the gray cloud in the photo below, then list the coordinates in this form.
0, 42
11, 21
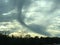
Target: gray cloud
49, 20
45, 21
39, 29
20, 5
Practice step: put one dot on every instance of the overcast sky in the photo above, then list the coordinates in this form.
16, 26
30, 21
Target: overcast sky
37, 16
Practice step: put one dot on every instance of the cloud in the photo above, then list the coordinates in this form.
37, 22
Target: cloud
18, 34
38, 29
40, 16
54, 33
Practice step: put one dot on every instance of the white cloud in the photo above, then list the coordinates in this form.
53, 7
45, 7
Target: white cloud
9, 25
53, 32
35, 12
10, 12
23, 34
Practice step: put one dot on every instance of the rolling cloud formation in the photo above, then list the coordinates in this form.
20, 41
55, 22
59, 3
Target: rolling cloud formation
37, 16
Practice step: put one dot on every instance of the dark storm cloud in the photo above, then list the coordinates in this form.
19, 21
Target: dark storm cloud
10, 5
33, 27
39, 29
55, 6
6, 7
42, 29
19, 4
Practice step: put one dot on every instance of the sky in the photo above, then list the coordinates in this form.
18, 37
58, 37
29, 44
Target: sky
41, 17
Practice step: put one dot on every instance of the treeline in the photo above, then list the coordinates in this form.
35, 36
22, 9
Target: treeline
6, 40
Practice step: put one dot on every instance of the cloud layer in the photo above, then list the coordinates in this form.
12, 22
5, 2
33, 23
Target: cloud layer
37, 16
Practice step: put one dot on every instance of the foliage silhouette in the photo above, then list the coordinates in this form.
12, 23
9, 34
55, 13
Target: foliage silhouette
6, 40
